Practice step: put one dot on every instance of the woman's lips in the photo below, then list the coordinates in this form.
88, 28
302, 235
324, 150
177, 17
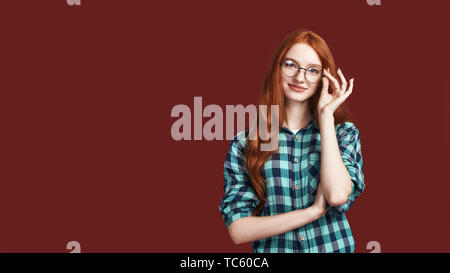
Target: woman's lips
297, 88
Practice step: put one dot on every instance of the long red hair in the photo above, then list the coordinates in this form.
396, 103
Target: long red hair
273, 94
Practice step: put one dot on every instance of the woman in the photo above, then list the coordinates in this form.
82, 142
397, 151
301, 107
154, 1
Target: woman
274, 198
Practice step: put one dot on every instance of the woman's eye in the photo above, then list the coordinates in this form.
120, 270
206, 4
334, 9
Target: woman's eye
290, 64
314, 70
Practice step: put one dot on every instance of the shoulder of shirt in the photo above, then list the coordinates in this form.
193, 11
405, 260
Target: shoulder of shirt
240, 138
346, 128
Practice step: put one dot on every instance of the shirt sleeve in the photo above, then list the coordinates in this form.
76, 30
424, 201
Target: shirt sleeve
350, 147
239, 198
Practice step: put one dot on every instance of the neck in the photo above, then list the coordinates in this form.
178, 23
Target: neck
297, 114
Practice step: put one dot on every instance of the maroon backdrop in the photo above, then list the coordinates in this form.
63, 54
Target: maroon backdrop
86, 96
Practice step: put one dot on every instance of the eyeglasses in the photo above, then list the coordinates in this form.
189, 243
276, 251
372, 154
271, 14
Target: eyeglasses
291, 69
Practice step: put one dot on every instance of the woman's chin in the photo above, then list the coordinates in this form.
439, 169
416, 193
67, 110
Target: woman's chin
297, 97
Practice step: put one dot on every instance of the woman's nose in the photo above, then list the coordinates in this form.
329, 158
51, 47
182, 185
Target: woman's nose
300, 75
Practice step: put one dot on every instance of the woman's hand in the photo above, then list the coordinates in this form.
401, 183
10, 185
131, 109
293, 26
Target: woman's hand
328, 103
320, 203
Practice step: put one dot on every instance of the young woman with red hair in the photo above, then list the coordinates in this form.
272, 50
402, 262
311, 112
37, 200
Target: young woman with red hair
294, 199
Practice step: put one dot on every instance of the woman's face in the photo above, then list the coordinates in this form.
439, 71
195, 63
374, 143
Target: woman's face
305, 56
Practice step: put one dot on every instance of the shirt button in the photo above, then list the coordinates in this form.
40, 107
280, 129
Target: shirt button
302, 238
296, 186
296, 160
297, 138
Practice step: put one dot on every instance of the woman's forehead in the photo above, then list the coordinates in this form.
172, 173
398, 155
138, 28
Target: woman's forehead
303, 54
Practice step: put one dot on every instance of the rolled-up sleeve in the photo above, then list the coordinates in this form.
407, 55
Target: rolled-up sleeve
350, 148
239, 199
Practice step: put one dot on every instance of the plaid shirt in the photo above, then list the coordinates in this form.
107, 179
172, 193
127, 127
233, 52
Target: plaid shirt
292, 174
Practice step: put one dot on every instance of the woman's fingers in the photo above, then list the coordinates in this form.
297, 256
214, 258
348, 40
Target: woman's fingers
347, 93
325, 85
332, 79
343, 80
350, 89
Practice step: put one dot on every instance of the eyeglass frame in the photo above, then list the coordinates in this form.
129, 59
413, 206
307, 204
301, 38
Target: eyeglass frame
300, 68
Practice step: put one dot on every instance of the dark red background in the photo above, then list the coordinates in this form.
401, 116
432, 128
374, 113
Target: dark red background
86, 95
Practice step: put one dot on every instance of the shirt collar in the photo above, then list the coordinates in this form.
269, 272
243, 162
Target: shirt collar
311, 125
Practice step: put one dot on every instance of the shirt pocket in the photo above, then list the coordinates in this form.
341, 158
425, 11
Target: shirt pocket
313, 175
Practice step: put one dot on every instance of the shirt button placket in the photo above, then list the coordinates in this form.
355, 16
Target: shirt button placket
302, 231
297, 195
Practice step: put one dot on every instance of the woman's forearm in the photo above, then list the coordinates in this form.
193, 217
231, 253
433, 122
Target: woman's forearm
253, 228
334, 175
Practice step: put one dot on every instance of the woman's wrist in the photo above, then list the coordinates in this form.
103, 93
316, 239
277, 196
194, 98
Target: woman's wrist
325, 115
317, 211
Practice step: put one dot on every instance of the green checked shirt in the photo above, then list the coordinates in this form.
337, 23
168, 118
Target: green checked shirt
292, 173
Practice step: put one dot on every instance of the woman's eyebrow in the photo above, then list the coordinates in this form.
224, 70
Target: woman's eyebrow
292, 59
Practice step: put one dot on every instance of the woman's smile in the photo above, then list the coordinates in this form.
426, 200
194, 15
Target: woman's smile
297, 88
